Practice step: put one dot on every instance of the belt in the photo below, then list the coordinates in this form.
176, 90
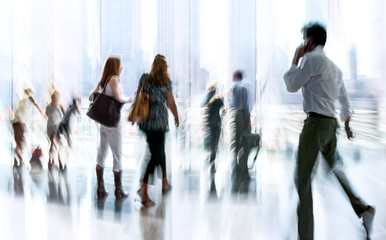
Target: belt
317, 115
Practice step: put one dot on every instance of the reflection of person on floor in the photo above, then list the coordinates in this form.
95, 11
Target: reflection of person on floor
18, 180
152, 222
239, 103
55, 181
212, 106
22, 114
54, 112
159, 88
322, 84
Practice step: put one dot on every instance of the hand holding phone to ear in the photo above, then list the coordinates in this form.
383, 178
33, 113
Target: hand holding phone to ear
299, 53
307, 47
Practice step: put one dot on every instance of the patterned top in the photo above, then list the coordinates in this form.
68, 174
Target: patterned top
157, 119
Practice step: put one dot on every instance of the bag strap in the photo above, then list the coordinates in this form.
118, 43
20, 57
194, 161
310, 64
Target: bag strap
143, 86
104, 89
212, 99
144, 83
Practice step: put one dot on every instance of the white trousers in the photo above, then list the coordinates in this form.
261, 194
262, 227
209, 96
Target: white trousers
110, 137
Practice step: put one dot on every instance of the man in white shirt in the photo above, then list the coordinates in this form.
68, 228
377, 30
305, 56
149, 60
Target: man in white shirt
322, 84
239, 101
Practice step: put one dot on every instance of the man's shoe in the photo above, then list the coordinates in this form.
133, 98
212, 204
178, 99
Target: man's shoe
368, 219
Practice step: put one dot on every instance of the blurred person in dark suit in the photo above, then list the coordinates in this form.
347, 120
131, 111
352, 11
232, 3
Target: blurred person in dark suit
212, 106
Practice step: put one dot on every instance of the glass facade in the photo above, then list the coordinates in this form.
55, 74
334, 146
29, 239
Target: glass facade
63, 44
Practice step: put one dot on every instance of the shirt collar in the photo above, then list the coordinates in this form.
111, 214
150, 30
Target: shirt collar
318, 49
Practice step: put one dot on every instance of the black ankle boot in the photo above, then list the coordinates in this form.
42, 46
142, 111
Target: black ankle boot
101, 192
119, 193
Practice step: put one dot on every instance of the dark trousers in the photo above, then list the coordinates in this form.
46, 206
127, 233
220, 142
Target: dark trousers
215, 131
156, 141
18, 132
240, 174
318, 134
214, 138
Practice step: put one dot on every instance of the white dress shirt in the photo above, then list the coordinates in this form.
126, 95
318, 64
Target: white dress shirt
321, 82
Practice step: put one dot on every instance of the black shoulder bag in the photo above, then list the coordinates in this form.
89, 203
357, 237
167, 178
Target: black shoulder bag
105, 109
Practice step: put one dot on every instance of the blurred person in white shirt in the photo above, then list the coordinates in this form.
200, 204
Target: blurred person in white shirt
239, 102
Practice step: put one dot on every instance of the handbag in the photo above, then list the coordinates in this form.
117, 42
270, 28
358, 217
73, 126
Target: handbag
248, 142
105, 109
140, 108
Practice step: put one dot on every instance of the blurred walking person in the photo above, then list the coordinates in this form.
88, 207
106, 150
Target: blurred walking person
54, 112
64, 130
322, 84
212, 107
110, 136
240, 104
158, 86
22, 117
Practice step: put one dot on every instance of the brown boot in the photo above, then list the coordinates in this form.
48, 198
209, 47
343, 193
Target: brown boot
101, 192
119, 193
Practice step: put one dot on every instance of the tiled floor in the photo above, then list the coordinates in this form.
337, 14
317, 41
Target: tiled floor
49, 205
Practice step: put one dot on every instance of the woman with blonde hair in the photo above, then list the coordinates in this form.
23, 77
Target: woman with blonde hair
54, 113
158, 86
213, 105
110, 136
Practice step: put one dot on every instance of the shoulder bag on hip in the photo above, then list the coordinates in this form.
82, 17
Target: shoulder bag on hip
140, 108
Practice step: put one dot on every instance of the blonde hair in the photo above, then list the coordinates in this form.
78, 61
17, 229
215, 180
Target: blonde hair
112, 67
211, 86
28, 92
159, 71
55, 93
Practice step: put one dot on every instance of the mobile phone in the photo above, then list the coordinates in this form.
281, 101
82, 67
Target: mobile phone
307, 47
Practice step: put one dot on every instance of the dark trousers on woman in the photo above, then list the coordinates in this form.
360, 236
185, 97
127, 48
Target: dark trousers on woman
156, 141
318, 134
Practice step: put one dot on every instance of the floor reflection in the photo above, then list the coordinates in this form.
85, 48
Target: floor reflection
18, 180
152, 222
58, 186
62, 204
